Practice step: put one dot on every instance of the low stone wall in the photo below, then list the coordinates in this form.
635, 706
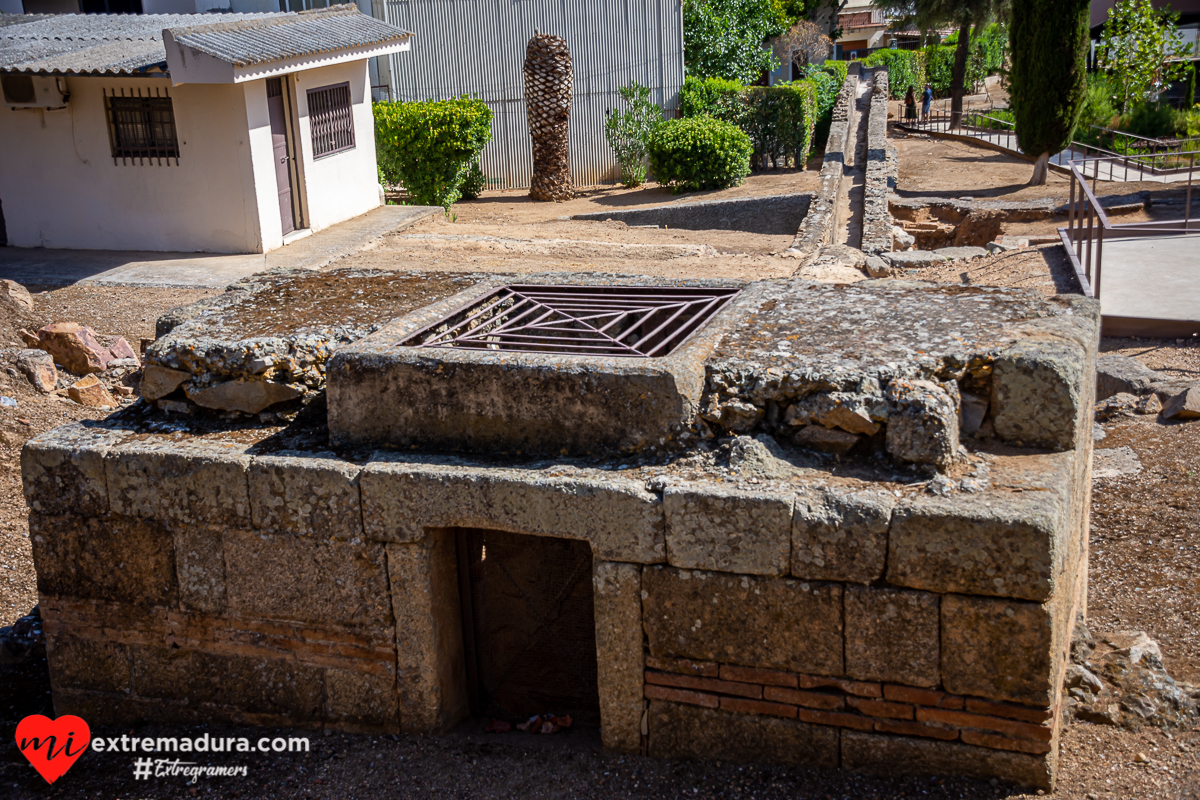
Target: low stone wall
776, 214
821, 222
880, 173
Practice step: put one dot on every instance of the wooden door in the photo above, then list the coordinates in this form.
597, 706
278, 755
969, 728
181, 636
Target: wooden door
279, 142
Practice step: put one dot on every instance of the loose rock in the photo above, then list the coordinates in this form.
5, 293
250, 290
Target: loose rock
38, 367
89, 391
16, 296
1185, 405
161, 381
249, 397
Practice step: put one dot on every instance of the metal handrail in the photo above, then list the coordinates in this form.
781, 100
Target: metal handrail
1088, 224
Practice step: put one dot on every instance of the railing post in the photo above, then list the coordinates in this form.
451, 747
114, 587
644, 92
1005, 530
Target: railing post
1187, 208
1089, 242
1099, 260
1071, 205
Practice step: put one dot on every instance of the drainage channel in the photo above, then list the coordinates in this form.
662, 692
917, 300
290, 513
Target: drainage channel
850, 199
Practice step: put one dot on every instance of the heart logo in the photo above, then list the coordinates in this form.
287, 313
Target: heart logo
53, 745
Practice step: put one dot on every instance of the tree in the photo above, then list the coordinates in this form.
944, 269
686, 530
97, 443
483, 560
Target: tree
803, 44
724, 38
628, 132
963, 15
1143, 50
1048, 40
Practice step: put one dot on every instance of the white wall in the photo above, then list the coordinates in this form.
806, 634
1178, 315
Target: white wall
169, 6
11, 7
346, 184
61, 188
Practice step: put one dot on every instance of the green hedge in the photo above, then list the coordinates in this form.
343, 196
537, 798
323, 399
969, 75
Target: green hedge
905, 68
429, 147
985, 58
838, 69
699, 153
780, 119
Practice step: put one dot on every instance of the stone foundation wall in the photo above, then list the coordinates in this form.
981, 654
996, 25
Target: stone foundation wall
859, 624
881, 171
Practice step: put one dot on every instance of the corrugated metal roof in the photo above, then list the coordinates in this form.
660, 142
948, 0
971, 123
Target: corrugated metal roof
126, 44
261, 41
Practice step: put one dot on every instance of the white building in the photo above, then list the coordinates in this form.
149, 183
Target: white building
227, 133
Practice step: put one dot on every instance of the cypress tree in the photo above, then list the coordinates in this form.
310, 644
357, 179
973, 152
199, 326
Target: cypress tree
1048, 42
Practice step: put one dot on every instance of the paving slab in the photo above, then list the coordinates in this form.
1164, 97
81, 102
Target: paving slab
46, 267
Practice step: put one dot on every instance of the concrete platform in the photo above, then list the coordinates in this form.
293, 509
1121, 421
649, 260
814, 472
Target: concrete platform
1150, 286
43, 267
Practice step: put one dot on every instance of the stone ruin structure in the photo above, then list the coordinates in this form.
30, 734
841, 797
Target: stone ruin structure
778, 521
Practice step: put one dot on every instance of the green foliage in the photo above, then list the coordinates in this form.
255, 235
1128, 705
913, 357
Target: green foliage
699, 153
429, 147
939, 69
1152, 120
1142, 49
780, 120
1100, 105
629, 131
724, 38
1048, 40
713, 97
905, 68
838, 69
985, 57
475, 182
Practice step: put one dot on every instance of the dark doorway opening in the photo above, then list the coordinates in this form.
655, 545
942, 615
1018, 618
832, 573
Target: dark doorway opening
528, 626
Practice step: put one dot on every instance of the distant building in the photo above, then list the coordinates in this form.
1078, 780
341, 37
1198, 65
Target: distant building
231, 133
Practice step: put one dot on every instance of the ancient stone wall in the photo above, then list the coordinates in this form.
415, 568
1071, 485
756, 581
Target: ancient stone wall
880, 173
820, 223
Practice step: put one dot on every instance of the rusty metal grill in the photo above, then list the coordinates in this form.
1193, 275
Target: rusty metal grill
142, 127
330, 119
628, 321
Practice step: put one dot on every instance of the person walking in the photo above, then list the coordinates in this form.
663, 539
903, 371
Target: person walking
910, 106
926, 102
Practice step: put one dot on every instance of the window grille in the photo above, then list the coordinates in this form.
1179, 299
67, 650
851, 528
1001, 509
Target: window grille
330, 120
142, 127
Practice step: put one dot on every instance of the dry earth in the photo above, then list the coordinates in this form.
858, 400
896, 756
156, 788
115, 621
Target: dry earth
1144, 569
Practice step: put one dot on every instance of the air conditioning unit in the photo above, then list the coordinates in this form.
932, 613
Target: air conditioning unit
34, 91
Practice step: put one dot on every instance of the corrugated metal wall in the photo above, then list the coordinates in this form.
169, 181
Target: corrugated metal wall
477, 47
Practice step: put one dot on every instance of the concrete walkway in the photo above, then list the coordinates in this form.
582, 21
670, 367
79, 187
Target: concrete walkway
42, 267
1151, 283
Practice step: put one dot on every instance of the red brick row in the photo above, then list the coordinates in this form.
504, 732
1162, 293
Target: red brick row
865, 706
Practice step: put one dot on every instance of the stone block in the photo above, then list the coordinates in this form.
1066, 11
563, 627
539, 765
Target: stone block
249, 684
362, 697
430, 667
896, 755
998, 649
1038, 393
893, 635
621, 520
716, 527
998, 543
159, 381
841, 536
691, 732
1116, 373
187, 482
88, 664
619, 653
63, 469
89, 391
922, 427
108, 558
331, 582
775, 623
200, 567
306, 494
1185, 405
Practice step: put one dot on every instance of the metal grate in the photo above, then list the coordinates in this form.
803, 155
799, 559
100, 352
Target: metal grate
631, 321
142, 127
330, 119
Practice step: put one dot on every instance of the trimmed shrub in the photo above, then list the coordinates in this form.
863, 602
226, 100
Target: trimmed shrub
781, 120
713, 97
939, 69
838, 69
905, 68
699, 153
429, 147
475, 182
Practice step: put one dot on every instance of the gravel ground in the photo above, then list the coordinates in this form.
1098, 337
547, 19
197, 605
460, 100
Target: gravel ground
1144, 574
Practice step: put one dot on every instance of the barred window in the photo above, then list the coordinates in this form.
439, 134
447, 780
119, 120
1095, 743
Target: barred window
142, 127
330, 120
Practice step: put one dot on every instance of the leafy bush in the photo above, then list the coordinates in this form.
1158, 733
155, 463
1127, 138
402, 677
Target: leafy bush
428, 147
628, 132
699, 153
939, 69
1152, 120
713, 97
473, 185
905, 68
723, 38
838, 69
781, 120
1099, 107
